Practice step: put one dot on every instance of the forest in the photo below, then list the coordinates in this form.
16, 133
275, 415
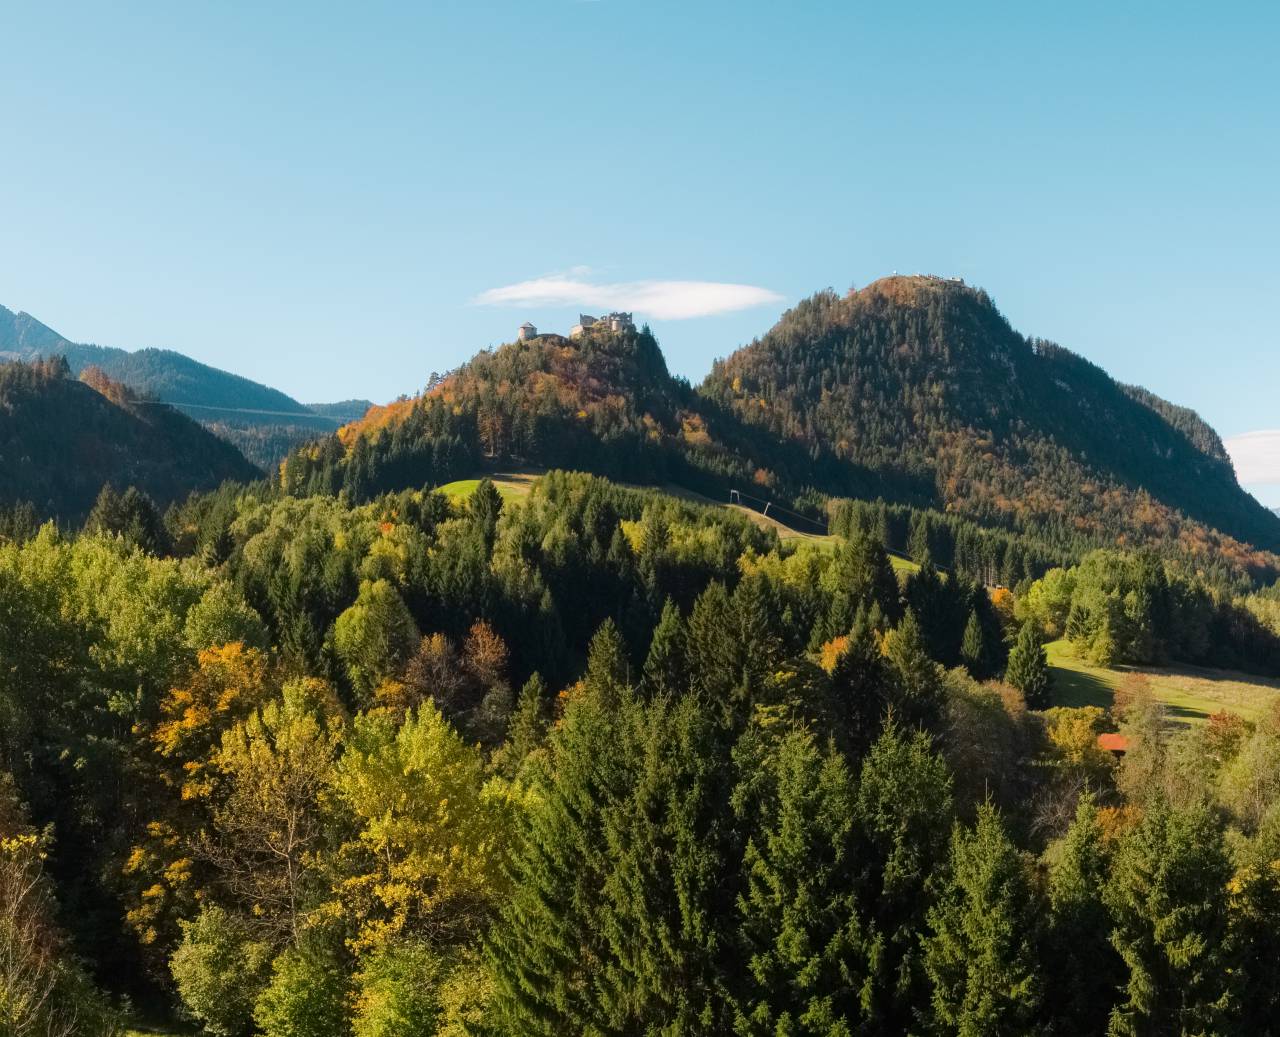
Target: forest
603, 761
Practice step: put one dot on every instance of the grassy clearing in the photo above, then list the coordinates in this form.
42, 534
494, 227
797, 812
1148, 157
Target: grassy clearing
510, 485
1190, 694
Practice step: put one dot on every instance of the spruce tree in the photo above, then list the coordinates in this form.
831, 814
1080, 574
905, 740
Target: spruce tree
665, 667
527, 730
757, 633
982, 956
904, 813
860, 688
917, 685
1084, 972
798, 915
545, 949
666, 913
1167, 895
1028, 668
714, 648
973, 648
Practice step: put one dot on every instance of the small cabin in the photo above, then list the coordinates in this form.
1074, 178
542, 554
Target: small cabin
527, 331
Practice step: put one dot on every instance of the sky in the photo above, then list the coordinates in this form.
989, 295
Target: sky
337, 200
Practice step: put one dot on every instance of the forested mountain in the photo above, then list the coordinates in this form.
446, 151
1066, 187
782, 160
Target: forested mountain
914, 389
263, 422
923, 377
62, 440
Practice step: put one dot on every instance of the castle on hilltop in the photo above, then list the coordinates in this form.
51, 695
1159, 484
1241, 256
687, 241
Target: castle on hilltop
611, 321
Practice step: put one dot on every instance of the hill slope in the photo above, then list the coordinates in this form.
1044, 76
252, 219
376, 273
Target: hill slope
923, 378
61, 440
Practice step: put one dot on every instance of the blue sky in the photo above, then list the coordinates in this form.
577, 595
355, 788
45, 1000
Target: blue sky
322, 197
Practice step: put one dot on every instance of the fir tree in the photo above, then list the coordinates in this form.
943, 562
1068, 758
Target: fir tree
1028, 668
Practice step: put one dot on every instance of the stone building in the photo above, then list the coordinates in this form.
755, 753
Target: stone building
613, 321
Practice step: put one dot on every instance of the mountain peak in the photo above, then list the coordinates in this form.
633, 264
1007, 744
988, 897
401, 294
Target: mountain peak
21, 333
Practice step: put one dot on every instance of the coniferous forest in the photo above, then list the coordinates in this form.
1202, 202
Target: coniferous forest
338, 753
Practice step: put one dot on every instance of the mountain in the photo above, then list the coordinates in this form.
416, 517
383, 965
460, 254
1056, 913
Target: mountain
921, 378
914, 390
264, 422
61, 440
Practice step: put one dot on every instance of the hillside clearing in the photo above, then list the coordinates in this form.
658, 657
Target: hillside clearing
511, 485
1190, 694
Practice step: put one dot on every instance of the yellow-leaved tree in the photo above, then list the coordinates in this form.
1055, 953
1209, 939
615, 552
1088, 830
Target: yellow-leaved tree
428, 848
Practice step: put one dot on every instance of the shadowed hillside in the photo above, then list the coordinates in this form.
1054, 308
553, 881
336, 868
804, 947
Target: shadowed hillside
61, 440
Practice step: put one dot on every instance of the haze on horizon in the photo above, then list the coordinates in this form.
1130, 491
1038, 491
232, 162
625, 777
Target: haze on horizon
338, 205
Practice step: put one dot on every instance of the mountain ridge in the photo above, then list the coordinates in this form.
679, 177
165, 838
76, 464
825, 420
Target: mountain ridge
262, 421
172, 376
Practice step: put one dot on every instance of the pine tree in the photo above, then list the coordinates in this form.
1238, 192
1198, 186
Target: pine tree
798, 914
665, 667
973, 649
982, 956
1028, 668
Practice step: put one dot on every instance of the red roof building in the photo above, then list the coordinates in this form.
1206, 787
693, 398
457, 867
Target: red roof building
1113, 743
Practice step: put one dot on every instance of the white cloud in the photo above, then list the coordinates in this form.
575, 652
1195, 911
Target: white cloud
1256, 456
662, 300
